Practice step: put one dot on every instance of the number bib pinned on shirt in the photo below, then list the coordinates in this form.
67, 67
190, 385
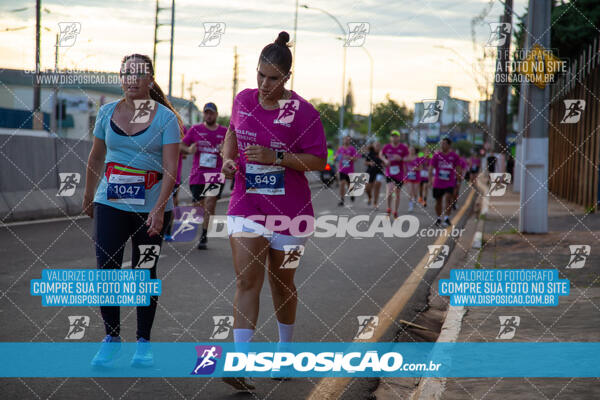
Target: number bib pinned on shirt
265, 179
394, 170
208, 160
412, 175
444, 175
126, 189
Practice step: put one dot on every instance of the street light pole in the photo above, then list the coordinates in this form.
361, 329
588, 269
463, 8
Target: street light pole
370, 91
342, 107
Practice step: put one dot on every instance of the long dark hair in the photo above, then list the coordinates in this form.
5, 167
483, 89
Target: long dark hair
278, 53
156, 92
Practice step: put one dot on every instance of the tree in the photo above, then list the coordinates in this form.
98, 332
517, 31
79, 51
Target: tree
574, 26
389, 115
329, 118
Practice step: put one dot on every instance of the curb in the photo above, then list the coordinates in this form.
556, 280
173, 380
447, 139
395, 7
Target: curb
433, 388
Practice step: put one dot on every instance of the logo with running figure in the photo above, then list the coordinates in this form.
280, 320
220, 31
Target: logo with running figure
287, 111
212, 34
149, 254
143, 110
508, 326
357, 34
498, 183
579, 253
573, 110
223, 324
437, 256
68, 183
68, 33
186, 222
214, 182
292, 254
499, 34
207, 359
77, 325
366, 326
432, 109
358, 183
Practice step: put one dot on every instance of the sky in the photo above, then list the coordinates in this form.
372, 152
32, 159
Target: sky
415, 44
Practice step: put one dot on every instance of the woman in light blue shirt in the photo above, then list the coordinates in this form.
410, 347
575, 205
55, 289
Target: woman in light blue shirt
134, 158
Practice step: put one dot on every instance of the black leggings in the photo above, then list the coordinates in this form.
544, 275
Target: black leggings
112, 230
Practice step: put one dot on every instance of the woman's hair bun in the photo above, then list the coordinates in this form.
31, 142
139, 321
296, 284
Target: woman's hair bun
282, 39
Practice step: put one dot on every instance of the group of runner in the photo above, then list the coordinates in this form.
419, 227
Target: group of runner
400, 165
274, 137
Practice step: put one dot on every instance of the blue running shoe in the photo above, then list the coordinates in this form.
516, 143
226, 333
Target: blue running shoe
143, 356
108, 353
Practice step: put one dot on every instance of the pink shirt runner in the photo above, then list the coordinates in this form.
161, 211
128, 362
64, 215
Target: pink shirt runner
345, 163
207, 157
445, 164
294, 127
412, 170
395, 154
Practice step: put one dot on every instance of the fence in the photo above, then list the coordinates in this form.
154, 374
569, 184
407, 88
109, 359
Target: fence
575, 147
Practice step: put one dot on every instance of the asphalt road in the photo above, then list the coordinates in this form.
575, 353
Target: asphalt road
338, 279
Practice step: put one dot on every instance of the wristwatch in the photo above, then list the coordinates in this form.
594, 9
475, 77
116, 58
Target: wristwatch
279, 157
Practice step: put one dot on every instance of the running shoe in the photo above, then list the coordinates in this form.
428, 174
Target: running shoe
438, 222
108, 353
341, 204
242, 384
446, 223
168, 238
395, 214
410, 206
143, 356
389, 211
202, 243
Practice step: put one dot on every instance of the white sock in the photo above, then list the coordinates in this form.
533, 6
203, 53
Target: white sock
285, 332
242, 335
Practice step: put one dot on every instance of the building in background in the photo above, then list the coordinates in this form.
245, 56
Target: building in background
78, 99
455, 112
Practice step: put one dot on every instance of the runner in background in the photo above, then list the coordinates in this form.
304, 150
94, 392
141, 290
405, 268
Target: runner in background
183, 152
412, 175
346, 155
392, 155
424, 183
446, 165
206, 169
375, 171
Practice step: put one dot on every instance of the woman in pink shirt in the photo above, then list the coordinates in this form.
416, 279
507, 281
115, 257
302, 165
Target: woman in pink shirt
274, 137
345, 155
392, 155
412, 175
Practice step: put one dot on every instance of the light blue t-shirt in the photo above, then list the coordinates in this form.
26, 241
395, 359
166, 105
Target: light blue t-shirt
143, 151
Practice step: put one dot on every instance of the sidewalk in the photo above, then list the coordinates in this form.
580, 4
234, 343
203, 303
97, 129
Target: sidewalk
576, 318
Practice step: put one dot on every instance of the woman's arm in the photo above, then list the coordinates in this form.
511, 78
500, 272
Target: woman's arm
93, 173
170, 155
191, 149
297, 161
229, 152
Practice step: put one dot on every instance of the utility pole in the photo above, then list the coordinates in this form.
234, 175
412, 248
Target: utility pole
157, 40
235, 74
533, 214
37, 118
53, 115
500, 95
171, 54
294, 48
